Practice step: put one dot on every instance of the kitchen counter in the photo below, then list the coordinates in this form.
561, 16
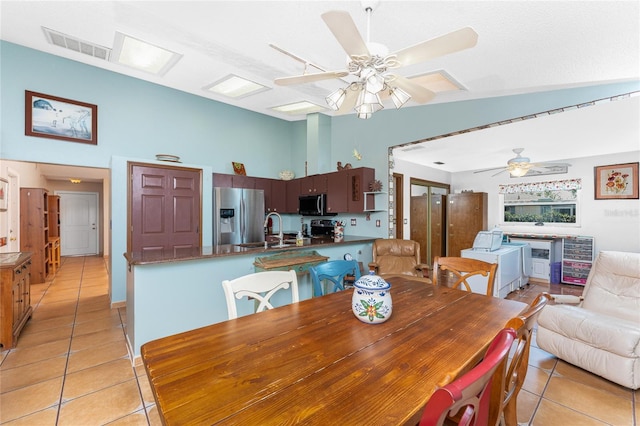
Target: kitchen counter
173, 293
226, 250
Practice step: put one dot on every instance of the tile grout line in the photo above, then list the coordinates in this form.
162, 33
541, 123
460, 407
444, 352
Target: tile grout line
75, 316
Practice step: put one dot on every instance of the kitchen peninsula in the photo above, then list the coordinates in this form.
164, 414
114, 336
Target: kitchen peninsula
178, 292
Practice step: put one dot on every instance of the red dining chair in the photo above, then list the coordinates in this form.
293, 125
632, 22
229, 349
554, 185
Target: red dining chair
468, 397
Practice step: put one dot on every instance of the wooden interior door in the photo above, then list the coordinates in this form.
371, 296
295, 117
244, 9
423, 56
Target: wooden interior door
420, 224
398, 217
438, 221
165, 209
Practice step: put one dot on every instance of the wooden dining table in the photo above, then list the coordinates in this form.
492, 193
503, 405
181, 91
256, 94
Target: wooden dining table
314, 362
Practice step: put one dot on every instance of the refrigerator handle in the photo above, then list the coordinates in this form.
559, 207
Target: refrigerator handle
242, 221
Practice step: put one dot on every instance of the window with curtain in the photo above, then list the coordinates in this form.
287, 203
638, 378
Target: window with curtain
554, 202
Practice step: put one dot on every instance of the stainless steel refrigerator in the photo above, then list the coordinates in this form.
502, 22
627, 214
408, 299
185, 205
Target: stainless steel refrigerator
238, 216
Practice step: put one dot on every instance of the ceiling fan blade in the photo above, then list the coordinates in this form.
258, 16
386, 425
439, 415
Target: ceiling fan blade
439, 46
551, 164
349, 101
345, 31
490, 170
418, 93
500, 172
308, 78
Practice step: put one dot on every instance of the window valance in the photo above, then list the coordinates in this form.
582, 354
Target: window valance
554, 185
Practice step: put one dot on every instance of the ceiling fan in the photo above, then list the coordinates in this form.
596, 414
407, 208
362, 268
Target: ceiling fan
520, 166
369, 63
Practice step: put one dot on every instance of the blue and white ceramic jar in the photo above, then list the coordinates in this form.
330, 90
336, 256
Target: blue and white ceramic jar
371, 301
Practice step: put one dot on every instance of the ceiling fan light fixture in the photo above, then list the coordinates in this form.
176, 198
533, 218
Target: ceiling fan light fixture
399, 96
335, 99
367, 104
374, 83
519, 171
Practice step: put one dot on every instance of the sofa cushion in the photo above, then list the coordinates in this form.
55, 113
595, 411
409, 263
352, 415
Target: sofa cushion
614, 286
605, 332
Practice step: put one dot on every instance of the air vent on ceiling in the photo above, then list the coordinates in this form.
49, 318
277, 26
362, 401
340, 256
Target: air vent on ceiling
73, 43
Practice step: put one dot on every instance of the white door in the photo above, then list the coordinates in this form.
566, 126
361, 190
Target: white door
78, 223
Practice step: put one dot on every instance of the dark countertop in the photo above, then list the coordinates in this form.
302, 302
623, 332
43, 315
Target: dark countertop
226, 250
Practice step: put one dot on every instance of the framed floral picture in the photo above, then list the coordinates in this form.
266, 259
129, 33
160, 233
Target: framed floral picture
616, 182
52, 117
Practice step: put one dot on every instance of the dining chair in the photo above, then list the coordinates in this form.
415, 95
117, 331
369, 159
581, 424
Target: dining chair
461, 269
468, 398
333, 272
260, 286
505, 408
397, 256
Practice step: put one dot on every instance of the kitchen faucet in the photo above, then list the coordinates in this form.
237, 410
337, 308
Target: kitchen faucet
280, 235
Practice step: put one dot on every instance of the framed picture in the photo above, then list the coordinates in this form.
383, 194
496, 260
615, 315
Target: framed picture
58, 118
238, 168
4, 194
616, 182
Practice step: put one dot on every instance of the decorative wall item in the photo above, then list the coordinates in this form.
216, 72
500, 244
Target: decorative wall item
4, 194
616, 182
287, 175
58, 118
238, 168
375, 186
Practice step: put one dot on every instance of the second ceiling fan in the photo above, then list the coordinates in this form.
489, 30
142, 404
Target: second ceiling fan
369, 63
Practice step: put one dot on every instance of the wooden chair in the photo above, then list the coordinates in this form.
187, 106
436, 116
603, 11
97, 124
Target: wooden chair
396, 256
335, 272
504, 399
468, 398
260, 286
462, 268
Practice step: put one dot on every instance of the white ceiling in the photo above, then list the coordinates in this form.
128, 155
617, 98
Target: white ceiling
604, 128
523, 46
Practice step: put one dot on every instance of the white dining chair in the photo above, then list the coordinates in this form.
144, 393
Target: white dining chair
260, 286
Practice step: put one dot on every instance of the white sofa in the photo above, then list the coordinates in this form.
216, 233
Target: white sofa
600, 334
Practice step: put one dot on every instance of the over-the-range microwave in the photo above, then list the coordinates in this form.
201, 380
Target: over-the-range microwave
313, 205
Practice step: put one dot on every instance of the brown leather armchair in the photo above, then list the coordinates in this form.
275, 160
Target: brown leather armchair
396, 256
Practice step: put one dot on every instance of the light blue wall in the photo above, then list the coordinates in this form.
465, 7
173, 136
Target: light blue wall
137, 120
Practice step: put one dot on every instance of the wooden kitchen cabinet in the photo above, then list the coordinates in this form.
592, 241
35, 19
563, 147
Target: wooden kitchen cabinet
275, 194
279, 196
293, 194
346, 190
315, 184
358, 184
466, 216
222, 180
34, 230
338, 192
15, 297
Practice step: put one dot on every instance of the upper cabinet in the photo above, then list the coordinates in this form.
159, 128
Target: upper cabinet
345, 190
316, 184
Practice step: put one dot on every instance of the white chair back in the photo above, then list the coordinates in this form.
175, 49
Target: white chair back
260, 286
